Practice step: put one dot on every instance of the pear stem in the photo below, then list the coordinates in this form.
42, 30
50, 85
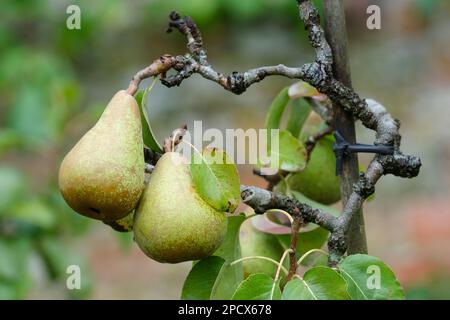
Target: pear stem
175, 138
306, 254
148, 168
313, 139
261, 258
158, 67
295, 227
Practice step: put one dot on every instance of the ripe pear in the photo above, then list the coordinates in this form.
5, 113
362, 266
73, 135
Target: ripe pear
172, 222
102, 177
257, 243
318, 181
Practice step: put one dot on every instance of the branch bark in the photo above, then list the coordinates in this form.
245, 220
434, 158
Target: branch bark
336, 35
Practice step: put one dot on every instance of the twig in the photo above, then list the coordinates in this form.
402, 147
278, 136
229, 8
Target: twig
174, 139
312, 140
295, 227
158, 67
150, 156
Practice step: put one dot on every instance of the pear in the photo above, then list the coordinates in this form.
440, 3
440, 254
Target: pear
102, 177
124, 224
257, 243
318, 181
172, 222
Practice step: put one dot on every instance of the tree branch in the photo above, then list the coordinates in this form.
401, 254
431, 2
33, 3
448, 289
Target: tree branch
318, 74
312, 140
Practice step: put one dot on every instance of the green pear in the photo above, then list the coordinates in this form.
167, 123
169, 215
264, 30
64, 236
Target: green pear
124, 224
257, 243
318, 181
102, 177
172, 222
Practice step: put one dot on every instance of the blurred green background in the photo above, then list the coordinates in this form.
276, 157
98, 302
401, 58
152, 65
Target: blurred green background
55, 82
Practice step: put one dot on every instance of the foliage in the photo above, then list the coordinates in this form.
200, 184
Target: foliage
356, 277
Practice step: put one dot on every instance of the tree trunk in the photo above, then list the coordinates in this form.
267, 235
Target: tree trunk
336, 35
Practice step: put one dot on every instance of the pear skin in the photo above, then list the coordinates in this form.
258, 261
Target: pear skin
102, 177
318, 181
172, 222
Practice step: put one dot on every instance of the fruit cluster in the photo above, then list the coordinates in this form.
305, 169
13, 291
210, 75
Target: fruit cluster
103, 178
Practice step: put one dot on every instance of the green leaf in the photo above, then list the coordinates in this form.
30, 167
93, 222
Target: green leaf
296, 289
216, 179
54, 256
318, 283
12, 259
34, 212
299, 113
28, 115
9, 139
14, 273
12, 187
230, 276
257, 286
291, 153
201, 279
276, 109
147, 133
368, 278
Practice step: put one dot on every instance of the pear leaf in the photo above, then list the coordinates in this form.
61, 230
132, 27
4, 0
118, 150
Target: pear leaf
216, 179
230, 250
258, 286
276, 109
369, 278
291, 153
147, 133
318, 283
201, 279
299, 113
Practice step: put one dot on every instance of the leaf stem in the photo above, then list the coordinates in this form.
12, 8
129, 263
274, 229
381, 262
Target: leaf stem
277, 275
262, 258
291, 220
306, 254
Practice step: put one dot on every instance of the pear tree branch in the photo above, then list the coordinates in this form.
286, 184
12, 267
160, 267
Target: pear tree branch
313, 139
319, 74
